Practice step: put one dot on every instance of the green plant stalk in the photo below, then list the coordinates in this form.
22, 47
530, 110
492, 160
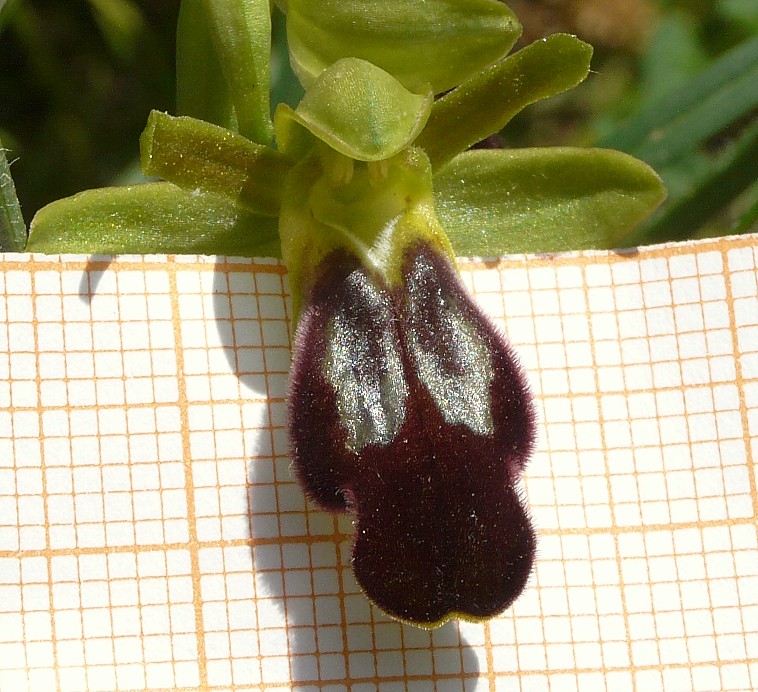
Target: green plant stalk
200, 93
727, 105
241, 32
748, 220
4, 12
12, 226
485, 103
120, 22
45, 64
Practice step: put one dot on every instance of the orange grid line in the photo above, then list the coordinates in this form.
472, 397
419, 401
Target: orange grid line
211, 263
202, 662
48, 560
297, 540
741, 387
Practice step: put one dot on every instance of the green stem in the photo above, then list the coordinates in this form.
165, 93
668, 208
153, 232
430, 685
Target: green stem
748, 221
241, 31
12, 227
201, 90
691, 128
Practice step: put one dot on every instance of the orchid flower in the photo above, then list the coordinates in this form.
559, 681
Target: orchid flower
407, 406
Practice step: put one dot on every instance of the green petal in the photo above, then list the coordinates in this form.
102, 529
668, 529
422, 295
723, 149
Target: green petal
197, 155
358, 109
484, 104
441, 43
543, 200
12, 227
156, 218
241, 32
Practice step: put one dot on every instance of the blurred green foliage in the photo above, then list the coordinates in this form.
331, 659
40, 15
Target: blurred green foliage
682, 75
78, 79
77, 82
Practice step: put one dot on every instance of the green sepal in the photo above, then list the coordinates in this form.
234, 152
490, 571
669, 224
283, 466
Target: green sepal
12, 226
485, 103
241, 33
201, 91
156, 218
196, 155
543, 200
356, 108
419, 42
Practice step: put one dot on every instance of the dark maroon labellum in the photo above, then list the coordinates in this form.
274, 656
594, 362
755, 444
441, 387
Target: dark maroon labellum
408, 408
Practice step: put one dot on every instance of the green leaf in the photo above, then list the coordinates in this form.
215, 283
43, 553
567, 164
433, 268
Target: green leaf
358, 109
748, 219
156, 218
675, 44
12, 227
199, 156
120, 22
684, 119
201, 89
241, 33
734, 171
742, 12
442, 43
485, 103
542, 200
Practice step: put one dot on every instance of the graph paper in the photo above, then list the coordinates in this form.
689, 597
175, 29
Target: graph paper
152, 535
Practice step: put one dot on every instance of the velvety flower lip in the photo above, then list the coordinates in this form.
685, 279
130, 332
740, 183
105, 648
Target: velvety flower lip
348, 389
408, 408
